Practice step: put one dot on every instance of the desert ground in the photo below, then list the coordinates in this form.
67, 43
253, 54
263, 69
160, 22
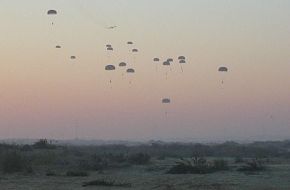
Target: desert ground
43, 166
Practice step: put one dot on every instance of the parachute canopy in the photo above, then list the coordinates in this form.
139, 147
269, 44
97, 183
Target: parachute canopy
166, 101
135, 50
52, 12
170, 60
223, 69
182, 61
130, 71
108, 45
73, 57
156, 59
130, 43
181, 57
166, 63
57, 47
110, 68
122, 64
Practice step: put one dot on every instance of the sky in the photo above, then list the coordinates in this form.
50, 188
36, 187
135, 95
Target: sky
45, 94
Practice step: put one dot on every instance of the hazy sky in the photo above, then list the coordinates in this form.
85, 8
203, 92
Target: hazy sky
44, 94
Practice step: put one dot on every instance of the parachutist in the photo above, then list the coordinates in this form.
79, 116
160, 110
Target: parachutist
112, 27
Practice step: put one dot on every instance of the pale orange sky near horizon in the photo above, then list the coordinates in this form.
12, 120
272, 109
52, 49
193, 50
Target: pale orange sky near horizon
44, 93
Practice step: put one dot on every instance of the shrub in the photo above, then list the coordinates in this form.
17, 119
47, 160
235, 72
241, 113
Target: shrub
193, 166
198, 165
139, 159
252, 166
13, 162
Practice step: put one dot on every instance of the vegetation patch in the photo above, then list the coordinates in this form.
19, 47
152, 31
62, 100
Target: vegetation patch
77, 174
107, 183
13, 162
254, 165
198, 166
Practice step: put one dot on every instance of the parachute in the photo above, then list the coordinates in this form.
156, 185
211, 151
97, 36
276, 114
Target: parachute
181, 57
135, 50
73, 57
170, 60
111, 27
156, 59
130, 71
122, 64
166, 101
110, 49
108, 45
181, 61
166, 63
57, 47
223, 69
110, 67
52, 12
130, 43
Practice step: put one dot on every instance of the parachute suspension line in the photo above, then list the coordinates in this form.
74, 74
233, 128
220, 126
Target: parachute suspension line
181, 68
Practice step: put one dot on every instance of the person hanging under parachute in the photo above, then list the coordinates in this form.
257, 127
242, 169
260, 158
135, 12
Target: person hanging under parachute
52, 13
223, 69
